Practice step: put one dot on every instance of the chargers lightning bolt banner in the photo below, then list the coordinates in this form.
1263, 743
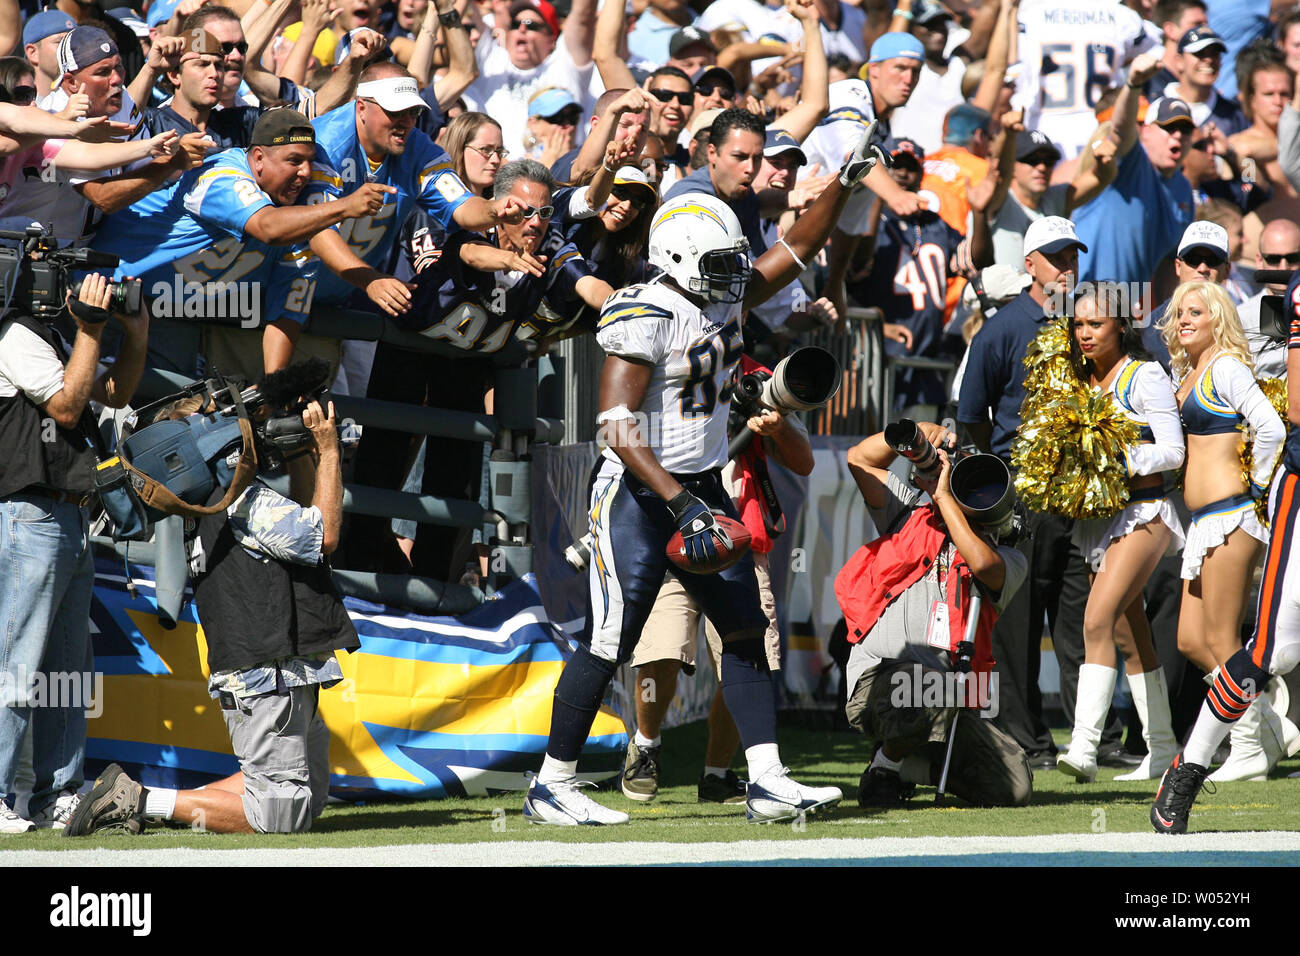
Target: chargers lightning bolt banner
429, 707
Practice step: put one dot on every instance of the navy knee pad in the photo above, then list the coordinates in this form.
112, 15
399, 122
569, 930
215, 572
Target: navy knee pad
578, 694
749, 653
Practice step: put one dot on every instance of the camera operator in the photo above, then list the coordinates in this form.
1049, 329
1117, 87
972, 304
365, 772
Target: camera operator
901, 605
46, 480
273, 621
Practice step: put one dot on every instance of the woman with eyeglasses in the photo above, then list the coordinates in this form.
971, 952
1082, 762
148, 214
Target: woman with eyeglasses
1219, 400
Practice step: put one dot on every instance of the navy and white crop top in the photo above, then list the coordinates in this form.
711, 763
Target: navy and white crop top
1146, 395
1204, 411
1223, 397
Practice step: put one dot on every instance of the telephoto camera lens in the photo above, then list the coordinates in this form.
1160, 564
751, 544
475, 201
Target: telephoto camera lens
905, 438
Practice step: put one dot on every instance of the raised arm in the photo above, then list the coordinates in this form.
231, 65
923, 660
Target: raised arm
579, 31
999, 55
286, 225
814, 88
610, 25
1125, 120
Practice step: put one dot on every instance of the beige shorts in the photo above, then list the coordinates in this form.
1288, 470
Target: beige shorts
671, 633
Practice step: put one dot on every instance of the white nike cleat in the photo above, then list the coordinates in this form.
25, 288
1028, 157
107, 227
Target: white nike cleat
774, 797
565, 805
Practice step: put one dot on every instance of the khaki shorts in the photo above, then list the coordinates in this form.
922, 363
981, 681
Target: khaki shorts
238, 352
671, 633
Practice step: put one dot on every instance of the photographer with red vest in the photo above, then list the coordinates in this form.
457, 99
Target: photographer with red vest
906, 597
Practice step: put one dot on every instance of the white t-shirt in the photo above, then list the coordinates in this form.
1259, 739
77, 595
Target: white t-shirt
1009, 225
502, 91
28, 365
1071, 52
851, 111
921, 118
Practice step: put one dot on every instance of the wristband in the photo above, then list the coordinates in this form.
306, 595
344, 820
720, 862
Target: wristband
89, 313
797, 260
451, 18
905, 14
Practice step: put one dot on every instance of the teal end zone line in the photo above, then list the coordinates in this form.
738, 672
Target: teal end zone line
1174, 858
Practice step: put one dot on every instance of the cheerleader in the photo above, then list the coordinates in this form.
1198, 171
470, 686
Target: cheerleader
1217, 395
1106, 352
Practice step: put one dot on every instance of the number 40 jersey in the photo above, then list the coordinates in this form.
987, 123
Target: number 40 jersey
694, 351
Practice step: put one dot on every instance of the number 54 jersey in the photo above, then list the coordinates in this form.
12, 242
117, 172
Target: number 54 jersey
694, 351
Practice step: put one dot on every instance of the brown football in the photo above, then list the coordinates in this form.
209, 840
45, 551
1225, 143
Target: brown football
726, 556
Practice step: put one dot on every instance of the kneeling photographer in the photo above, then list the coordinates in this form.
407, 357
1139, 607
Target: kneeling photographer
920, 602
271, 614
46, 483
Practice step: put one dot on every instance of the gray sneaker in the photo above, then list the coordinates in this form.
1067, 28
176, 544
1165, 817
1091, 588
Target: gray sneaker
58, 813
641, 772
115, 802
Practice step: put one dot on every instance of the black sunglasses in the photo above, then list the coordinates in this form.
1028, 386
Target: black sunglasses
635, 196
706, 89
1199, 257
569, 116
684, 97
532, 26
229, 48
1279, 258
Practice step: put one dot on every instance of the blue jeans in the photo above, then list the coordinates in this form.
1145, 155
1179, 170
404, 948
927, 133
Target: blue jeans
46, 579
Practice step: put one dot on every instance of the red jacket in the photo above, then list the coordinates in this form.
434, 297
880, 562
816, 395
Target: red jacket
881, 571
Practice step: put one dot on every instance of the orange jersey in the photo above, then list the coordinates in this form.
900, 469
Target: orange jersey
949, 172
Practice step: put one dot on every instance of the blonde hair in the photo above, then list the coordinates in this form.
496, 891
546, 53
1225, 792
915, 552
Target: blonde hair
1224, 325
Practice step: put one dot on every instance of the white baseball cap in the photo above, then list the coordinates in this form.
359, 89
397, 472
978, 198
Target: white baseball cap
1204, 235
393, 93
1051, 234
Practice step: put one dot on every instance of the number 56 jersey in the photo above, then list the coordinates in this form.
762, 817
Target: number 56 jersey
694, 351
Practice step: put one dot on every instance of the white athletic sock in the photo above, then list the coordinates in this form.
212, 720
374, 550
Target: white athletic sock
557, 771
1206, 737
160, 804
880, 760
762, 758
643, 742
716, 772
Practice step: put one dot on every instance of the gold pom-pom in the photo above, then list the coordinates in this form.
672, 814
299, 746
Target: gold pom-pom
1274, 390
1069, 452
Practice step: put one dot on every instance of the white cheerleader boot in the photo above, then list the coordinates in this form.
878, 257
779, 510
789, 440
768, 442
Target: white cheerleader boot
1151, 700
1096, 688
1258, 740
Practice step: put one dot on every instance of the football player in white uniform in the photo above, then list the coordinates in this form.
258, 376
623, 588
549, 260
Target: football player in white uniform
671, 346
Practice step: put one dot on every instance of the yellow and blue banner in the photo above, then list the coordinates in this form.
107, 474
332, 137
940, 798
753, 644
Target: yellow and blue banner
429, 707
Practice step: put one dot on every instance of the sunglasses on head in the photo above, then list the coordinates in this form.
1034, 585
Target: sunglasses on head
531, 26
544, 212
636, 197
229, 48
684, 97
1277, 259
1203, 257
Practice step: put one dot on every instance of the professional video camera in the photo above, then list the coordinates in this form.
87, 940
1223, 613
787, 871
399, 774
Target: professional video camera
981, 483
173, 466
1273, 319
805, 379
36, 277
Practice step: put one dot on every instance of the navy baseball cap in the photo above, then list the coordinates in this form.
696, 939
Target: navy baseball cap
1200, 39
1030, 142
778, 141
688, 36
46, 24
130, 19
1169, 111
83, 47
898, 147
714, 73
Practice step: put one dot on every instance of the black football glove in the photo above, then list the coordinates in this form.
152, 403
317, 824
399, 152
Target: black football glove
698, 528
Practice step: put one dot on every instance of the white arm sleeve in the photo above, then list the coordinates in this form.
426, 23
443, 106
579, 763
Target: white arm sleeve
1153, 399
1237, 386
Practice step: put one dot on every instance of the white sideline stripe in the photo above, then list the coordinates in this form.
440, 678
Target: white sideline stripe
546, 853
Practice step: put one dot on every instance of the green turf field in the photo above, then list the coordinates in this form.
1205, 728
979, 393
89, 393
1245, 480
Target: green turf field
816, 756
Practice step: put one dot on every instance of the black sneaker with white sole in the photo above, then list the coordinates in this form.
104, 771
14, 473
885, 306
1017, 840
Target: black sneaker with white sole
715, 789
1179, 788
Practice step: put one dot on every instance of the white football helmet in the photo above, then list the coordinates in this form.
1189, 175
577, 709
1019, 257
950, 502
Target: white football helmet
697, 240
